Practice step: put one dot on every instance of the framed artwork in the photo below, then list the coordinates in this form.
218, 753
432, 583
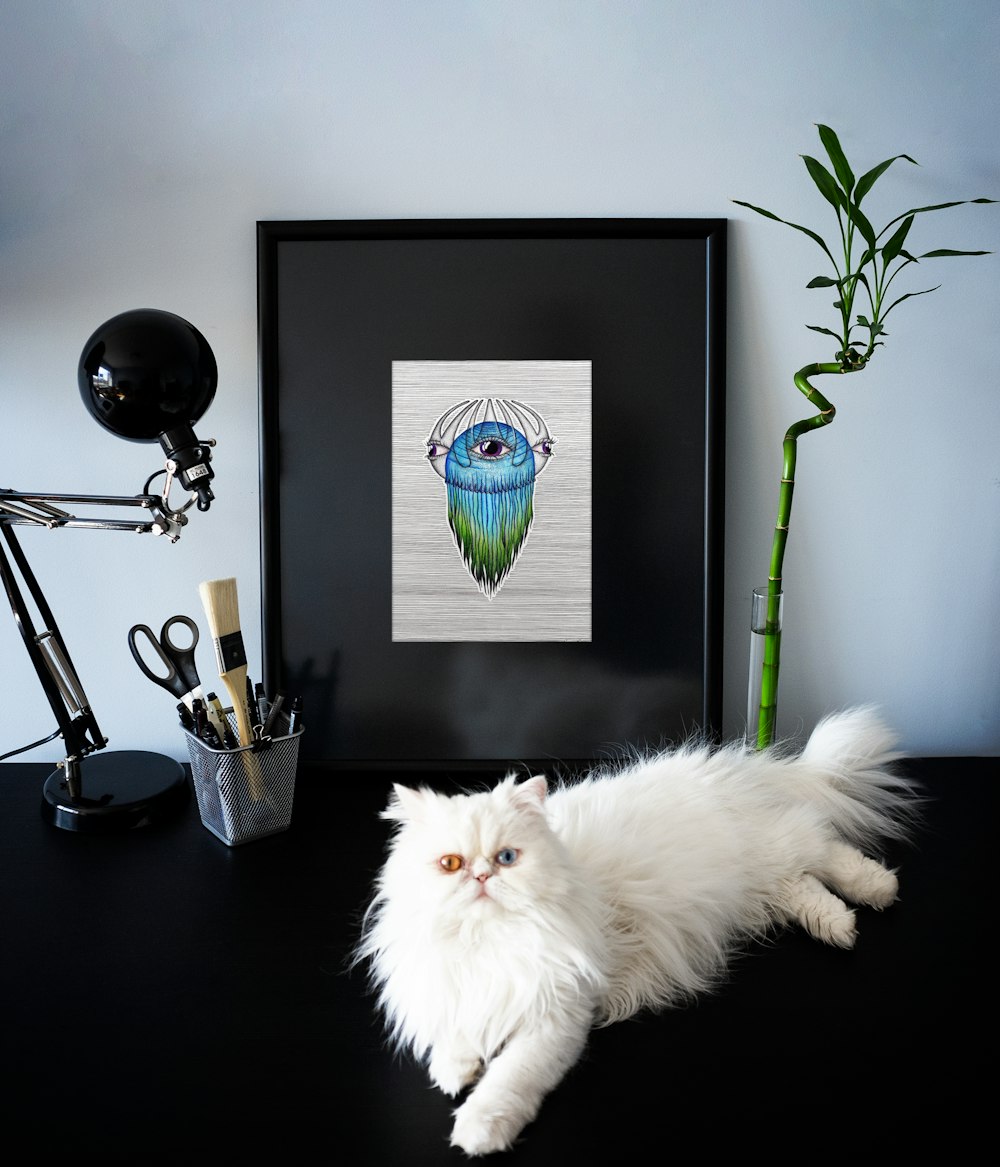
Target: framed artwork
492, 486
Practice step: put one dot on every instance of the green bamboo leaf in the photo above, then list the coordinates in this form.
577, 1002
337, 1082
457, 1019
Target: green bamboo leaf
855, 214
823, 282
867, 181
826, 182
935, 207
855, 277
825, 331
831, 143
948, 251
759, 210
895, 243
908, 296
805, 230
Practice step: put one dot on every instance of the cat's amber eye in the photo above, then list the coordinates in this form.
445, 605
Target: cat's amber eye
451, 862
508, 856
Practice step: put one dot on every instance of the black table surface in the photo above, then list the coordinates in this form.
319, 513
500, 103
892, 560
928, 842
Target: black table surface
164, 994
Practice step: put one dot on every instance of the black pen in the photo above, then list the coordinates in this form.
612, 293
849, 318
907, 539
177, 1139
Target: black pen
217, 717
272, 713
211, 737
187, 721
261, 699
198, 716
295, 719
203, 727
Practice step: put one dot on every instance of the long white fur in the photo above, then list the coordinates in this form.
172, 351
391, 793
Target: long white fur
633, 889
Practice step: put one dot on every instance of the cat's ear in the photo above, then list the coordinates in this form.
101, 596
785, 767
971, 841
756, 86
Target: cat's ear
531, 792
405, 804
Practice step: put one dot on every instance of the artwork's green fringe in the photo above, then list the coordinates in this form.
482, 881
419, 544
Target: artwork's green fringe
490, 529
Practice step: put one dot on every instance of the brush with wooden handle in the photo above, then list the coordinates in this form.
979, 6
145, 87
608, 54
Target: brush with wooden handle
221, 602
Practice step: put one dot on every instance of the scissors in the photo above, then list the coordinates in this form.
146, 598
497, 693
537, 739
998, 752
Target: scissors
181, 676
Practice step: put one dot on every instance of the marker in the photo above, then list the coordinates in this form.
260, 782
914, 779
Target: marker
261, 702
272, 713
211, 738
251, 700
220, 724
203, 728
295, 719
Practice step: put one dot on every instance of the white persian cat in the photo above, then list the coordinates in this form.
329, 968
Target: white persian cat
506, 923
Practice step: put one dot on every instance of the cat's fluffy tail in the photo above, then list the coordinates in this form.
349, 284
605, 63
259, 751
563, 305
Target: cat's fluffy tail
849, 767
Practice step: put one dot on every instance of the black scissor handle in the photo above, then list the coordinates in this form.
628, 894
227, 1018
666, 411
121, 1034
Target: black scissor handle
167, 641
181, 676
170, 678
181, 656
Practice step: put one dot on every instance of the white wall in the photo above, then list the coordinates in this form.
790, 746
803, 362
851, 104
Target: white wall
143, 139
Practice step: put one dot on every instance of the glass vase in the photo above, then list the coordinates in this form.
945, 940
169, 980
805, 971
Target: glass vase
766, 613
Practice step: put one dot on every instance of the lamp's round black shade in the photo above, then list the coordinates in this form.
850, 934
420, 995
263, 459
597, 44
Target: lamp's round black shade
146, 371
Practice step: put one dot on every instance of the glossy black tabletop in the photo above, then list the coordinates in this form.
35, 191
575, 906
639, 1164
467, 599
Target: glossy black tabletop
166, 995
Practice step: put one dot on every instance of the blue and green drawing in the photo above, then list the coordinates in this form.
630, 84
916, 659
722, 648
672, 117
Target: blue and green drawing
489, 451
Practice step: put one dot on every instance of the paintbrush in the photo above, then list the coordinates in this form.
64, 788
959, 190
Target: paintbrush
221, 602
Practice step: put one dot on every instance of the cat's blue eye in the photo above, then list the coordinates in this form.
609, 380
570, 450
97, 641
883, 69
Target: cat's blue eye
507, 856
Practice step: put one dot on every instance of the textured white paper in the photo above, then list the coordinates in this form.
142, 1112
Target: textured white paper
547, 595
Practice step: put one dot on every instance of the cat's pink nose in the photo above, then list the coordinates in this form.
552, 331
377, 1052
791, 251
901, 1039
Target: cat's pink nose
483, 876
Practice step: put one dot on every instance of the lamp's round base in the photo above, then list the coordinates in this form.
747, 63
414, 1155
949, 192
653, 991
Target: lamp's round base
118, 791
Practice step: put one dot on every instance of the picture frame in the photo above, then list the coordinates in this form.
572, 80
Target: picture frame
595, 349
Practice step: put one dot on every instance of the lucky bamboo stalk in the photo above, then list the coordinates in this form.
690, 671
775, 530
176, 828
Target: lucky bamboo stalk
876, 269
767, 712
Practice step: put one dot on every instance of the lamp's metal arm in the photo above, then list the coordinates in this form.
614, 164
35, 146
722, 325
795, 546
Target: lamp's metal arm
46, 648
39, 510
50, 658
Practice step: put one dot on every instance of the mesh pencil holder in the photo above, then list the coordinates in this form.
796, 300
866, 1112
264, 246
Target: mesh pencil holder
246, 793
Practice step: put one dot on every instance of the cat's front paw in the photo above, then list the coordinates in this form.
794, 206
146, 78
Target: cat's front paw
837, 927
481, 1130
876, 885
452, 1074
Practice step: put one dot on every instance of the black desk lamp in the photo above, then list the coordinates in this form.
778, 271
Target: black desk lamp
146, 376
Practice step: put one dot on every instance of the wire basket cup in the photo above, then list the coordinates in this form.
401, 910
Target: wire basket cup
246, 793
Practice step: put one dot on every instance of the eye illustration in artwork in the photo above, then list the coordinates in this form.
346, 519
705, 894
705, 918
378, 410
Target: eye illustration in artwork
489, 451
